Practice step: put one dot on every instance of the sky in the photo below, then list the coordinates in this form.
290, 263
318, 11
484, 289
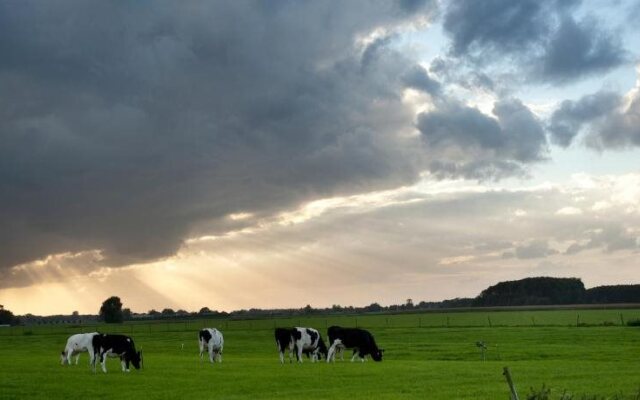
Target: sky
276, 154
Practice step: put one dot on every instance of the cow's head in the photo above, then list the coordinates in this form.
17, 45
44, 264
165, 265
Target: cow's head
136, 359
322, 349
377, 354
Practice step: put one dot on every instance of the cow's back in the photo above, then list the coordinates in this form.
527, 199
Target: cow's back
351, 337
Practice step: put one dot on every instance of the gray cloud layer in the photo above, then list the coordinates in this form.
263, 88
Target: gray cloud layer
129, 127
542, 36
464, 141
604, 116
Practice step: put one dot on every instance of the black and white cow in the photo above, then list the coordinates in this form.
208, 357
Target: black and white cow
308, 341
76, 344
360, 340
211, 339
121, 346
284, 341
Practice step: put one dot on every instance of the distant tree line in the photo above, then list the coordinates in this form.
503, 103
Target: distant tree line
554, 291
524, 292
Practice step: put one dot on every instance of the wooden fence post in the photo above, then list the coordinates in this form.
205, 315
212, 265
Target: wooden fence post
621, 319
512, 388
489, 319
578, 320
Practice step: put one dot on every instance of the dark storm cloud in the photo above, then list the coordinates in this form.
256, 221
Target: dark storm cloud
567, 121
541, 36
128, 127
495, 25
418, 78
604, 116
467, 142
619, 129
412, 6
577, 49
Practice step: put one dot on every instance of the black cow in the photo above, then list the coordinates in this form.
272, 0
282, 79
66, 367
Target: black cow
360, 340
120, 346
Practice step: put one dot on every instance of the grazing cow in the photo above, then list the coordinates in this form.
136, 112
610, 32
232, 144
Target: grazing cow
76, 344
116, 346
214, 342
360, 340
308, 341
284, 341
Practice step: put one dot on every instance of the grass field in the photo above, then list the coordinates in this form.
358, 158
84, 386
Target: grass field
429, 356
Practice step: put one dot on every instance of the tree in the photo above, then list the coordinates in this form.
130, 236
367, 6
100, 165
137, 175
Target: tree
204, 310
126, 314
153, 312
373, 307
7, 317
168, 311
111, 310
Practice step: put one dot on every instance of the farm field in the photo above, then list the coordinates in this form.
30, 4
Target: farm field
429, 356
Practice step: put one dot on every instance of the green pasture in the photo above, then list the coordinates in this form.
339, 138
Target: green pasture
427, 356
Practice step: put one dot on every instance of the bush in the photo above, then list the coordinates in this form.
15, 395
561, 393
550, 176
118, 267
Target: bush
633, 322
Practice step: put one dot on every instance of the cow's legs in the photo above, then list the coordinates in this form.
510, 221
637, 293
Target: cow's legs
212, 353
291, 348
69, 358
281, 356
331, 353
91, 356
201, 349
94, 359
103, 361
299, 352
77, 358
123, 364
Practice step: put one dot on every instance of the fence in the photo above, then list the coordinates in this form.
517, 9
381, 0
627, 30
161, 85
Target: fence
608, 317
